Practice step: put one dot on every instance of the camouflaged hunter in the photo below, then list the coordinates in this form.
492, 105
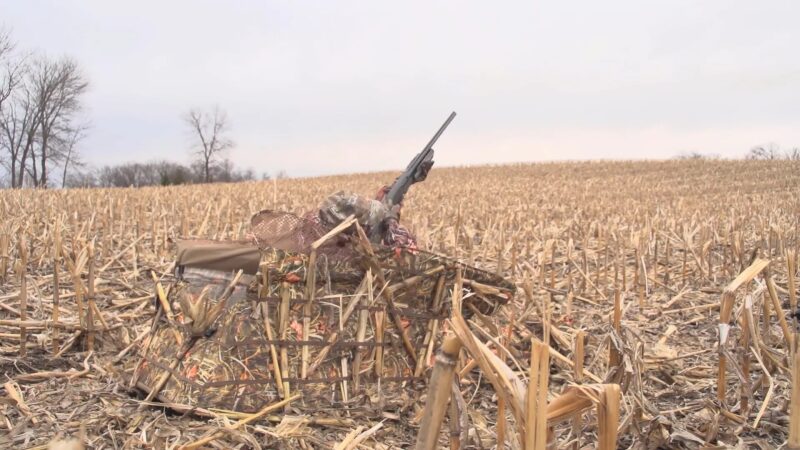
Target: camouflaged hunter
351, 324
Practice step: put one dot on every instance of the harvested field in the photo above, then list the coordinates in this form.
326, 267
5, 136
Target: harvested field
633, 256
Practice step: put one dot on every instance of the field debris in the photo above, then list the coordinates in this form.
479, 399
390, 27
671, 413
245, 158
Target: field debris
655, 307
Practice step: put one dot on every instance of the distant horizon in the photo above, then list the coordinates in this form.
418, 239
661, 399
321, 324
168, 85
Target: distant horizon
487, 164
393, 172
411, 154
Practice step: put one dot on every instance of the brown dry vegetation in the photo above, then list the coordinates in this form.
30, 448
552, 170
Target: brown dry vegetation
664, 238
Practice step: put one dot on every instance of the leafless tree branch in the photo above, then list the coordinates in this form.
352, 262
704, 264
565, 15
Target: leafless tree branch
209, 129
773, 151
57, 86
67, 142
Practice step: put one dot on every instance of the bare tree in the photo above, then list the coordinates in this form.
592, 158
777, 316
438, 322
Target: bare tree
40, 99
57, 87
18, 129
69, 155
10, 75
773, 151
769, 152
38, 118
209, 129
10, 68
28, 134
696, 155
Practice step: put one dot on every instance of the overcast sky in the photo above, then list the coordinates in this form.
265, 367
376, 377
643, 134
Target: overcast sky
341, 86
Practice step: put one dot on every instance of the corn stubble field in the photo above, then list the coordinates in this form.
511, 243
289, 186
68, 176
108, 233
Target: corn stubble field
627, 272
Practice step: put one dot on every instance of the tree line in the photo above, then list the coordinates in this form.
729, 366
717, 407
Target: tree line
159, 173
773, 151
768, 152
42, 122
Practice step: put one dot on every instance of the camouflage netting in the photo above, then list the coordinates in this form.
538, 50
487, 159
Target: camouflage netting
338, 339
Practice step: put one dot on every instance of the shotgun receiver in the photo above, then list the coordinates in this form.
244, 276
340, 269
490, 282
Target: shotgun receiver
416, 171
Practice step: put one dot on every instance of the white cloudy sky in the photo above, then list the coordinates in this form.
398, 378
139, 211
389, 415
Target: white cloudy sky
338, 86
